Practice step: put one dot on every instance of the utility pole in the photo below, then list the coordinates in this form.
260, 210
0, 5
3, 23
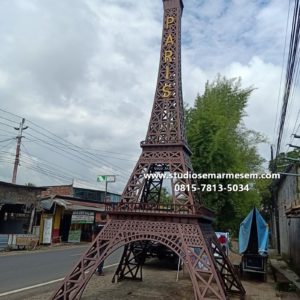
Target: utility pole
275, 217
17, 160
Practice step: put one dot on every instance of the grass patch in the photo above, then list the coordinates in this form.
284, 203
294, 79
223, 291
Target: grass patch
285, 287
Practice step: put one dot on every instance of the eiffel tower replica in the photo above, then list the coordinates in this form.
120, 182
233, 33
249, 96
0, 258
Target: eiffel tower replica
184, 225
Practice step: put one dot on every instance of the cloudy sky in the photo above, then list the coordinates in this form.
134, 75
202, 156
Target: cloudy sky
85, 71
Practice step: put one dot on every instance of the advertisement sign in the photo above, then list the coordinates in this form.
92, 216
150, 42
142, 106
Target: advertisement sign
47, 232
106, 178
82, 217
74, 236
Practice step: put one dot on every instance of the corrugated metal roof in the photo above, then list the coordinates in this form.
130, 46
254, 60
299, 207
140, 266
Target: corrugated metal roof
19, 186
100, 186
80, 184
72, 205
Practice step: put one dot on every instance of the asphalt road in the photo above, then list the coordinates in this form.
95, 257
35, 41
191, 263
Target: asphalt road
26, 269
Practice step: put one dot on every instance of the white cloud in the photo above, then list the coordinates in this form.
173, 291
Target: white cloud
263, 77
87, 71
3, 80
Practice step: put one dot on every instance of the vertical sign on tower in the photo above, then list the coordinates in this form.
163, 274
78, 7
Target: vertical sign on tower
168, 44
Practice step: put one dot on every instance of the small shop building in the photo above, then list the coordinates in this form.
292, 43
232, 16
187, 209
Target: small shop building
69, 219
52, 214
84, 191
18, 204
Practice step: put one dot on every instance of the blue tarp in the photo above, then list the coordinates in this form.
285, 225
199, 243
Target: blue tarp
262, 232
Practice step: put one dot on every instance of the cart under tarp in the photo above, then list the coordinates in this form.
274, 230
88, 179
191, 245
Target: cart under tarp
254, 233
253, 243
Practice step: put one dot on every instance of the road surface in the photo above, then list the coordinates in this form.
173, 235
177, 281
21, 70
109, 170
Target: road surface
21, 270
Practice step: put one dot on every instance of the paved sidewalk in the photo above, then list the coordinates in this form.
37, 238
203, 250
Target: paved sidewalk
282, 267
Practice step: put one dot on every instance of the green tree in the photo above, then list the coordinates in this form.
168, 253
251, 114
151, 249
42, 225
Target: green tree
283, 160
221, 143
165, 197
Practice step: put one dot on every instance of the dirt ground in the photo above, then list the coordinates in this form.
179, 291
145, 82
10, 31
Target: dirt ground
157, 284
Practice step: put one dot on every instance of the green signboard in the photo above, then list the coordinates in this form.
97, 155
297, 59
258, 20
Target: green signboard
106, 178
83, 217
74, 236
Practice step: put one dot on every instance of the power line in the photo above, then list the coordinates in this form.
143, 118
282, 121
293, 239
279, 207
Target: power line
75, 148
46, 139
297, 130
110, 152
28, 165
294, 131
66, 155
67, 145
52, 165
7, 140
5, 124
9, 120
10, 113
63, 153
281, 76
10, 132
6, 135
292, 58
4, 146
290, 107
73, 156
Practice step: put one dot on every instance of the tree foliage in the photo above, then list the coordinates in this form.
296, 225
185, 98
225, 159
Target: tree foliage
221, 143
283, 160
165, 197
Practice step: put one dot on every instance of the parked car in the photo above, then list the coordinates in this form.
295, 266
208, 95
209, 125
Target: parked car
154, 249
163, 253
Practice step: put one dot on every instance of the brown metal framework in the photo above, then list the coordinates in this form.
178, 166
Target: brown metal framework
184, 225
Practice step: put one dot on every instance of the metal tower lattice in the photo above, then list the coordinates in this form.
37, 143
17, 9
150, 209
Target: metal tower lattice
183, 224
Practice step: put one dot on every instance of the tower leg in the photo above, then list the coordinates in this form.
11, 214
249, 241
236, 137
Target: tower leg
229, 278
132, 260
212, 277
